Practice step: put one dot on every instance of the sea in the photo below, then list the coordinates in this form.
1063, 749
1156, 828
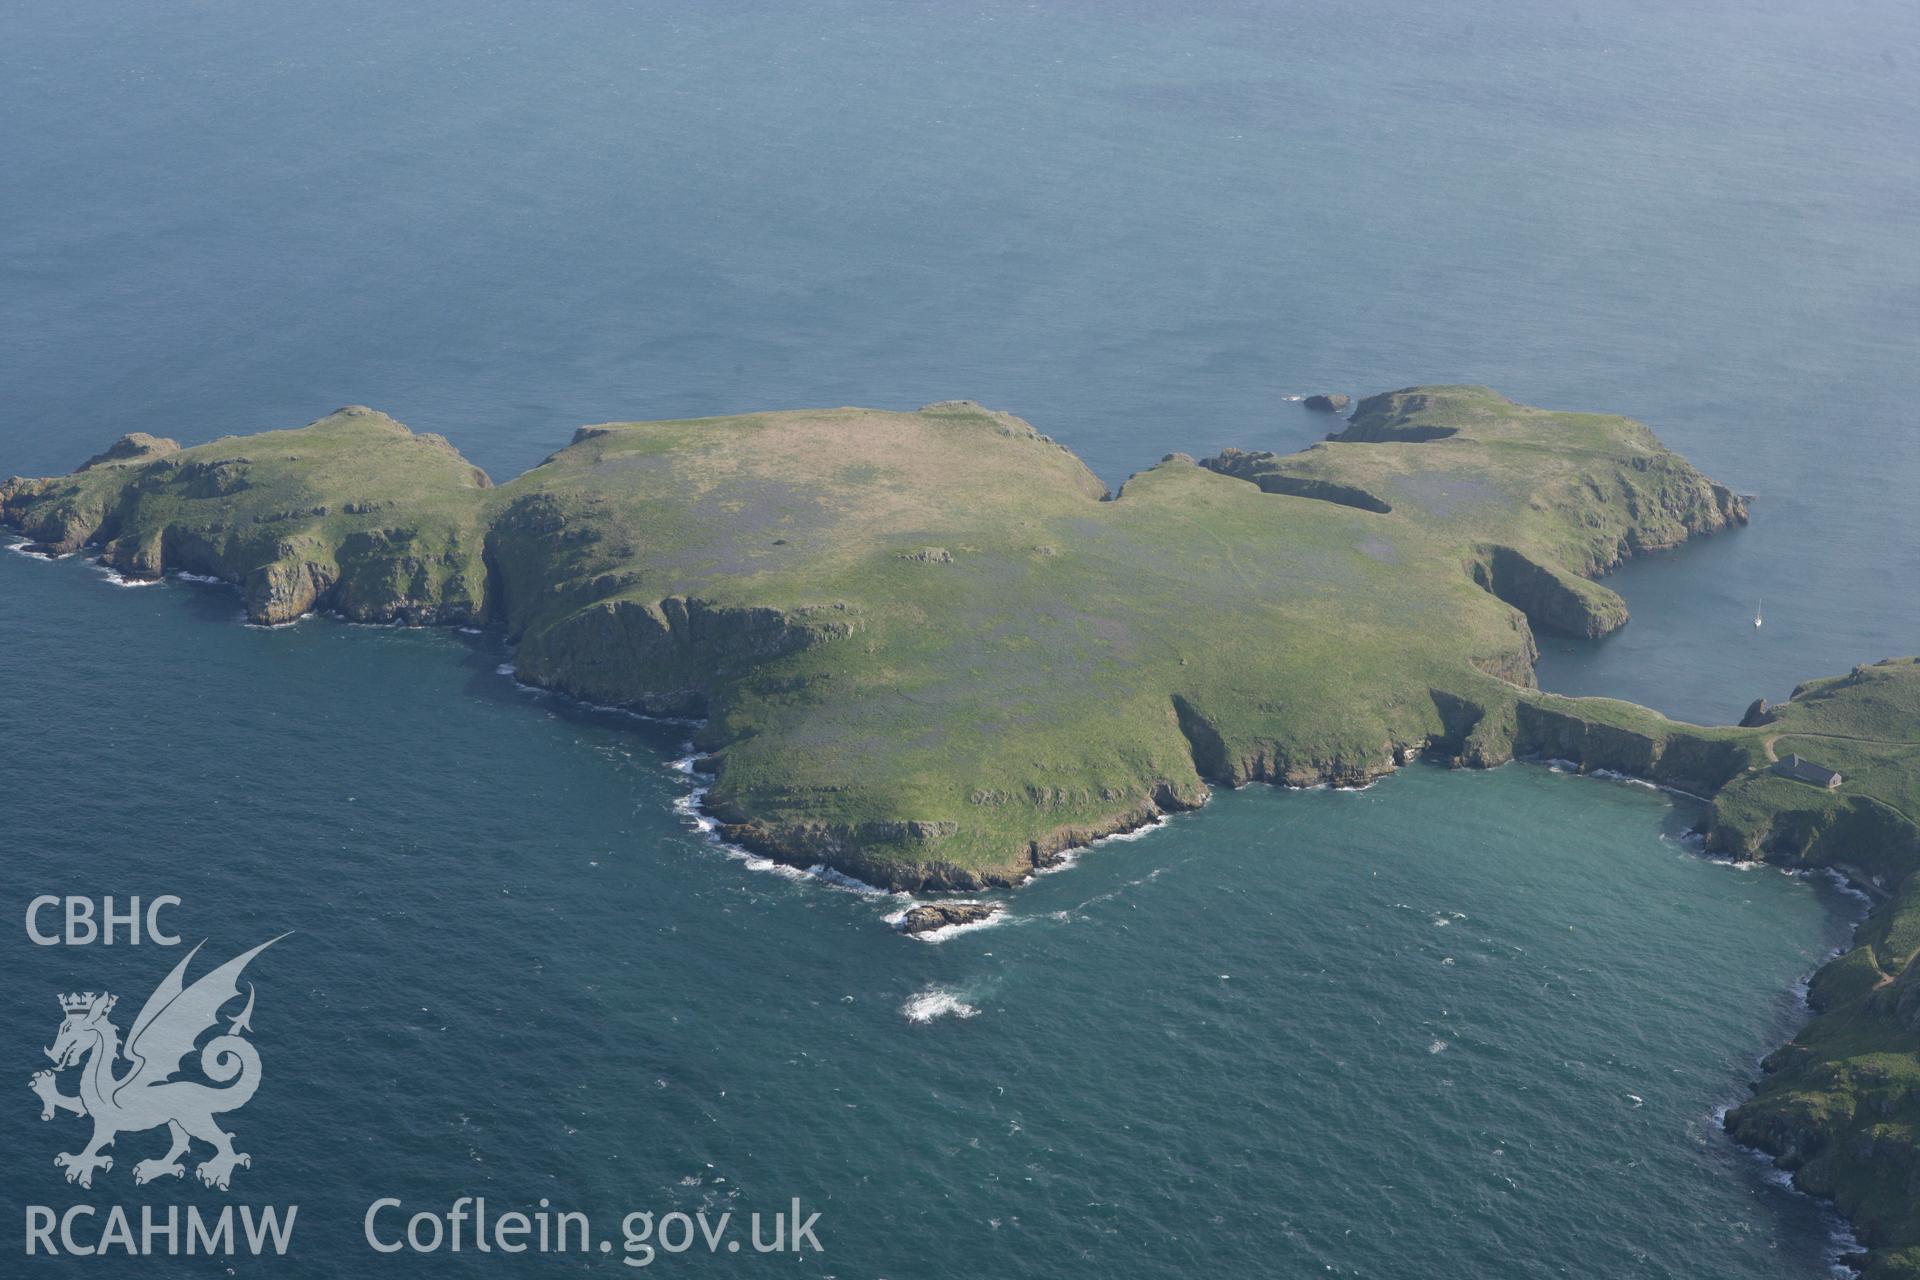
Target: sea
1456, 1024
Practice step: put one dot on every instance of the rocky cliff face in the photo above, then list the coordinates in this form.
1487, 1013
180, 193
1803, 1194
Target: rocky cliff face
1551, 599
54, 525
1397, 417
1665, 502
1660, 751
1273, 761
1254, 468
665, 657
353, 514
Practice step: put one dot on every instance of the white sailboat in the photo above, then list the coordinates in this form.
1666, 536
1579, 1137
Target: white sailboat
1756, 611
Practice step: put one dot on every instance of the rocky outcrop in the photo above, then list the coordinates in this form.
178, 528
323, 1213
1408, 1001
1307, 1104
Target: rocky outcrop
1389, 418
211, 478
1255, 468
928, 917
1328, 403
54, 523
286, 589
1758, 712
135, 446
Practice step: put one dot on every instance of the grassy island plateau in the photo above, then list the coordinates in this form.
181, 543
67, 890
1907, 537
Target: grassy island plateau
932, 651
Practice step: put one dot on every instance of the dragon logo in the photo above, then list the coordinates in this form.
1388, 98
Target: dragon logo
147, 1096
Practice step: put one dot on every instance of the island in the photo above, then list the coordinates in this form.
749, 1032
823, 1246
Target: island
931, 650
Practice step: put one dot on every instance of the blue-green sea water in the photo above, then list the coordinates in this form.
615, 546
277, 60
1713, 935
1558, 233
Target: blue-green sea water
1457, 1024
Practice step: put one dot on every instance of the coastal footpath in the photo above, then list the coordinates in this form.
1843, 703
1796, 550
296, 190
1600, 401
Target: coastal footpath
931, 650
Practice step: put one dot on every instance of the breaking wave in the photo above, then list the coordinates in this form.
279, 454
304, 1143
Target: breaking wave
946, 932
689, 808
120, 579
934, 1003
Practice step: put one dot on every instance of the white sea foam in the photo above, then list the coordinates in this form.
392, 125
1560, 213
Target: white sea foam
1614, 775
609, 709
512, 672
1065, 860
1845, 885
120, 579
946, 932
1841, 1241
934, 1002
690, 809
1843, 1244
841, 880
1438, 1046
208, 578
1140, 832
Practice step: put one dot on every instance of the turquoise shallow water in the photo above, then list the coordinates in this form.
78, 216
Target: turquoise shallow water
518, 973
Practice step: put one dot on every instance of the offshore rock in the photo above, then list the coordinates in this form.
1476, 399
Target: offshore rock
940, 915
